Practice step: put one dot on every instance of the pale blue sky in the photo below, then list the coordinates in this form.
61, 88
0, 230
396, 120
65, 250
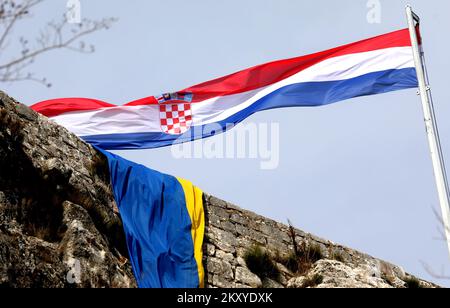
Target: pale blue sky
357, 172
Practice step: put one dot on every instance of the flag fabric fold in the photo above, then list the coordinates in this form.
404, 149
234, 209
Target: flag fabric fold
164, 223
372, 66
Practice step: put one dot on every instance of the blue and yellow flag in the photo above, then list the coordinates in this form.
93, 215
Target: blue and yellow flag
164, 224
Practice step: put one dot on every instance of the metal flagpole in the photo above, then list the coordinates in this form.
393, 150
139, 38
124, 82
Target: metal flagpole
430, 124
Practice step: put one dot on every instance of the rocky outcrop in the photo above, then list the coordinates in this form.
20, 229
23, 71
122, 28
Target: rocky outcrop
59, 225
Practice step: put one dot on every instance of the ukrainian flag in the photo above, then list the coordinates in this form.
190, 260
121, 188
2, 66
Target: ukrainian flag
164, 224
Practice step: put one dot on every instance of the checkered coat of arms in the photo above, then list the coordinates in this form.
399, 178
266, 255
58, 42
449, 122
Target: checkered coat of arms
175, 112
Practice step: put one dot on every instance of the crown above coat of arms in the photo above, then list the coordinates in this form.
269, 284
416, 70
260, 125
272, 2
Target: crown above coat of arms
174, 97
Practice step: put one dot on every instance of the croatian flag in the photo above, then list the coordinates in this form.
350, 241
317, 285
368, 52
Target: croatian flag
372, 66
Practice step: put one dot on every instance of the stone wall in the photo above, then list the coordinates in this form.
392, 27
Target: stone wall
232, 232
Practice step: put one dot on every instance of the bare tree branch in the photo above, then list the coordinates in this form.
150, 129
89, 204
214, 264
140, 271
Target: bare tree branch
28, 78
441, 230
442, 275
441, 227
16, 12
55, 35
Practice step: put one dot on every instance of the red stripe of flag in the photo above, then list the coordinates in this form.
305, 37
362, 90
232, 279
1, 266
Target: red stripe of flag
242, 81
269, 73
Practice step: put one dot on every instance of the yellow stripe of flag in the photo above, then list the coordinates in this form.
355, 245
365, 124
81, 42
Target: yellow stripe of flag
194, 205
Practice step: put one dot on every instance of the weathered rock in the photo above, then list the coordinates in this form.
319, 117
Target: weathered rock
219, 267
58, 221
338, 275
210, 250
271, 284
221, 282
83, 243
244, 276
335, 274
222, 239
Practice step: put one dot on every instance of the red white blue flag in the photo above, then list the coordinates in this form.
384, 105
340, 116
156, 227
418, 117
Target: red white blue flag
372, 66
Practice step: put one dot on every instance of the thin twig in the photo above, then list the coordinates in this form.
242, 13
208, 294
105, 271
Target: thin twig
432, 273
56, 35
